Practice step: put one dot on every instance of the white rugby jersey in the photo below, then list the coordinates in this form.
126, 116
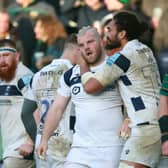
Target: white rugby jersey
98, 117
136, 70
11, 101
44, 86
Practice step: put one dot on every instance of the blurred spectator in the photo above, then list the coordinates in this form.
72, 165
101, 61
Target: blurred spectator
8, 31
23, 14
50, 31
114, 5
161, 44
156, 15
83, 13
136, 6
56, 5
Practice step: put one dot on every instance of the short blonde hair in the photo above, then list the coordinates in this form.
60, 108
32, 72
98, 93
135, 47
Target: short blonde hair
91, 29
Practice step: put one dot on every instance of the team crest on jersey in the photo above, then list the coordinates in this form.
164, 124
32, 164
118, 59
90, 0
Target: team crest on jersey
76, 90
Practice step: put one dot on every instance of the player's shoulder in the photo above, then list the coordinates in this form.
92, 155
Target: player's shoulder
24, 76
71, 73
23, 70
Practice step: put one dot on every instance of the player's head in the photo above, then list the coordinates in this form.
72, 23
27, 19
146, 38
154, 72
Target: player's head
90, 45
71, 48
124, 26
9, 58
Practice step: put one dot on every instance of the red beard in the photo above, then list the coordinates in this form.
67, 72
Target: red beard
8, 73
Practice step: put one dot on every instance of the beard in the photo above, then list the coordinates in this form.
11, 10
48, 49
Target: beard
8, 73
110, 44
96, 59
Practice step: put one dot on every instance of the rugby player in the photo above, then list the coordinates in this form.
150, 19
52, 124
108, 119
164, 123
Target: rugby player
43, 91
96, 142
136, 71
14, 79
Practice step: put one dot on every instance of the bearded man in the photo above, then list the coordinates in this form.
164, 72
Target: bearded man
14, 78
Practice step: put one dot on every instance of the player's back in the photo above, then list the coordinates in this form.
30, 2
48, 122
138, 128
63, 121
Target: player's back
139, 86
44, 86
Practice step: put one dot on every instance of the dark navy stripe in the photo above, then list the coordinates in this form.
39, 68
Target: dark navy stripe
138, 103
21, 84
75, 80
9, 90
31, 80
72, 123
144, 123
123, 62
125, 80
67, 76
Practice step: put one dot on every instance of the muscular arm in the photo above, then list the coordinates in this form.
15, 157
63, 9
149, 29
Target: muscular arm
163, 115
163, 107
115, 67
163, 112
53, 118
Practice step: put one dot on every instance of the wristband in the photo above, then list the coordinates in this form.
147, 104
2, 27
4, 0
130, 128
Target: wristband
163, 123
86, 76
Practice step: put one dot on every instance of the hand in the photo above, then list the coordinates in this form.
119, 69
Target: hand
25, 149
165, 148
41, 150
125, 130
80, 60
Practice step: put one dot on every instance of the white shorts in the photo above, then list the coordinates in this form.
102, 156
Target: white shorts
49, 162
143, 146
12, 162
91, 157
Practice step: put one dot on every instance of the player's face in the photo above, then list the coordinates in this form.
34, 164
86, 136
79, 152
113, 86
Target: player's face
90, 48
112, 35
8, 65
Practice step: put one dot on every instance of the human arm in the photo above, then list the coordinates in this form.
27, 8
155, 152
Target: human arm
163, 115
125, 130
53, 117
28, 108
36, 116
116, 66
163, 120
26, 149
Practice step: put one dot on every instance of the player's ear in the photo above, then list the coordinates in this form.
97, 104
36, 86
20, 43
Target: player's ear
17, 55
122, 34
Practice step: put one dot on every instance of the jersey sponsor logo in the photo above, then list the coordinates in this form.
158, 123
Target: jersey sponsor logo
51, 73
143, 50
